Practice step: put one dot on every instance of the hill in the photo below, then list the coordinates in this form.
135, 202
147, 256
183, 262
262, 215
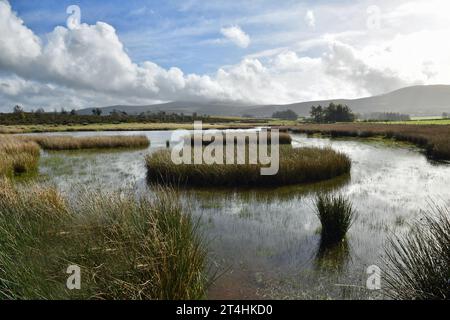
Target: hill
415, 100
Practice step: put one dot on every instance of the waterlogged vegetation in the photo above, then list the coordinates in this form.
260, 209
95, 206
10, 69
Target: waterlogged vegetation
239, 137
127, 248
78, 143
434, 139
20, 154
264, 242
336, 216
300, 165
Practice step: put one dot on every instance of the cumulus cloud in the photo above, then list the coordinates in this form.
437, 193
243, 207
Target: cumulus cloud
18, 46
310, 18
89, 66
236, 35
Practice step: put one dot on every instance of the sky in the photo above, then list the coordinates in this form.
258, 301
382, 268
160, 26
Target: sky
75, 54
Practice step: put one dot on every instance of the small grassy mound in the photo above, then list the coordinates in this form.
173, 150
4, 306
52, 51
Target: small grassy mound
99, 142
418, 263
127, 248
336, 215
17, 157
303, 165
208, 138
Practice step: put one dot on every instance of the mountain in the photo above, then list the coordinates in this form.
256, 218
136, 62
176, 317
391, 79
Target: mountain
415, 100
209, 108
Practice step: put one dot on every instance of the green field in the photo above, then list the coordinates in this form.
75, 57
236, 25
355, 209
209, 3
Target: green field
423, 121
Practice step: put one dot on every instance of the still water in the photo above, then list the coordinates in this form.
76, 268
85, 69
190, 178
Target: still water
266, 243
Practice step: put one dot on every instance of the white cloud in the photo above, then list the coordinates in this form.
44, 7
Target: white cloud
89, 66
310, 18
236, 35
18, 45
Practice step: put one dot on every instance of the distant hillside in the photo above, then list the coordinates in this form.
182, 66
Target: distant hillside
416, 100
175, 107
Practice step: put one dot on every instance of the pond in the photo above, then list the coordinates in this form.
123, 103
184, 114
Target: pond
265, 243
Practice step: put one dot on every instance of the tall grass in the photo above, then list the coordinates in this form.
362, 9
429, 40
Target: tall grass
336, 216
208, 138
303, 165
17, 157
127, 248
98, 142
418, 263
434, 138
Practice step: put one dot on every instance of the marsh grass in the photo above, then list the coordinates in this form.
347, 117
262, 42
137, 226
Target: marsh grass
17, 157
302, 165
336, 216
98, 142
127, 248
417, 264
20, 154
435, 139
208, 138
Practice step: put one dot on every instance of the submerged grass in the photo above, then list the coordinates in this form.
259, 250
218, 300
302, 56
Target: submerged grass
127, 248
418, 263
302, 165
434, 138
336, 215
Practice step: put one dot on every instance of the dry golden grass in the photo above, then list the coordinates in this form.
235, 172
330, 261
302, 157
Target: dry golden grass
303, 165
99, 142
435, 139
17, 156
208, 138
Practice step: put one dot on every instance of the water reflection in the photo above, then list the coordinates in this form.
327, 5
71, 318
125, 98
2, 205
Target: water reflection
332, 259
266, 239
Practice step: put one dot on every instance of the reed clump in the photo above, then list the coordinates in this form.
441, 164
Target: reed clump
417, 264
302, 165
98, 142
207, 138
435, 139
127, 248
17, 157
336, 216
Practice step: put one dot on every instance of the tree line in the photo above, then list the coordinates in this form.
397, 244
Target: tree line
64, 117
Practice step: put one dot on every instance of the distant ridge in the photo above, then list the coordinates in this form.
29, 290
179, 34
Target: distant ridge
415, 100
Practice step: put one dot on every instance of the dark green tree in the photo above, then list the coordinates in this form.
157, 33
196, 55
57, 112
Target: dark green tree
285, 115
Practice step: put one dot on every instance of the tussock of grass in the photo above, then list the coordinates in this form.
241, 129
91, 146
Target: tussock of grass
17, 157
99, 142
434, 138
302, 165
208, 138
126, 248
336, 215
418, 263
